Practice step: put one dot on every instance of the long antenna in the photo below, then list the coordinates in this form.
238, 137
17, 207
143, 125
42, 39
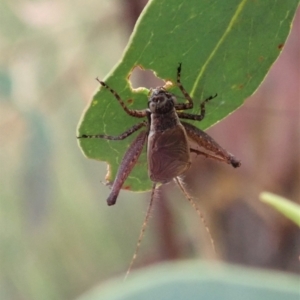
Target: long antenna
142, 232
190, 199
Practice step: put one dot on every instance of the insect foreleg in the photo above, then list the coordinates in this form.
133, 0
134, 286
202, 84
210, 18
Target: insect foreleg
129, 160
190, 104
122, 136
211, 148
131, 112
181, 106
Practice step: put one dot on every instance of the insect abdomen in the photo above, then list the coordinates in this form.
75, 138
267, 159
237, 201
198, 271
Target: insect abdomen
168, 154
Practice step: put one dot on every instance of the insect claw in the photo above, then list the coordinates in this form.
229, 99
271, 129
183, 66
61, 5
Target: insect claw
101, 82
106, 183
111, 200
179, 68
235, 163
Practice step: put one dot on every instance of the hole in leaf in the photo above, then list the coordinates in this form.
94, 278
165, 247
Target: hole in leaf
144, 78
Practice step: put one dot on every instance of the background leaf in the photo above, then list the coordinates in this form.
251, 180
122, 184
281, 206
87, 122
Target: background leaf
224, 46
288, 208
198, 280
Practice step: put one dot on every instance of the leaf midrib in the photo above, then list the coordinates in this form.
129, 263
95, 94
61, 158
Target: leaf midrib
218, 45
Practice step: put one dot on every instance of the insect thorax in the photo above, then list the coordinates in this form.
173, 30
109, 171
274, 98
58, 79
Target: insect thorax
162, 108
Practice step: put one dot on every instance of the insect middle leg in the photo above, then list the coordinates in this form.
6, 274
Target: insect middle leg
195, 117
132, 112
122, 136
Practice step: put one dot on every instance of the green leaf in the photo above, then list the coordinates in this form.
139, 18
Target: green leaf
199, 281
290, 209
225, 47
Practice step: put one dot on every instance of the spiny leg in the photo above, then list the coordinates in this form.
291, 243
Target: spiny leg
195, 117
131, 112
143, 229
182, 106
122, 136
207, 155
128, 162
207, 143
190, 199
190, 104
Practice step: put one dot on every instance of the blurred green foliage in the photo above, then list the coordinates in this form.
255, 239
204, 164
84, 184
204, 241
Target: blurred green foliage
57, 235
288, 208
196, 280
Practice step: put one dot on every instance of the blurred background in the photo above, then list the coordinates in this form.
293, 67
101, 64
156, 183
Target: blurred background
58, 237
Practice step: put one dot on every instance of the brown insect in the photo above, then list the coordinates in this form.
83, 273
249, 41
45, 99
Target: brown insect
170, 141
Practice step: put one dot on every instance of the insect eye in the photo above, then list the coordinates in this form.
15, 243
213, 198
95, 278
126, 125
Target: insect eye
157, 99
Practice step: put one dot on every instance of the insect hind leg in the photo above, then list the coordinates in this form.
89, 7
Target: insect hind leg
211, 148
230, 158
143, 229
194, 205
128, 162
